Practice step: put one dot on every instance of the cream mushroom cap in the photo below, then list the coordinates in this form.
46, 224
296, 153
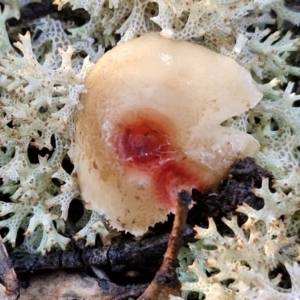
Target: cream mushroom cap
178, 93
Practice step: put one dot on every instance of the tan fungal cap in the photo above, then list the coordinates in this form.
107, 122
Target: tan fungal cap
150, 126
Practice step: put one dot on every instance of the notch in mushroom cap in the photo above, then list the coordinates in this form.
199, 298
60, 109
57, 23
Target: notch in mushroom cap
150, 126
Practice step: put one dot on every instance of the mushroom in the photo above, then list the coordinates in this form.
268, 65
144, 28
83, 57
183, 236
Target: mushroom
150, 127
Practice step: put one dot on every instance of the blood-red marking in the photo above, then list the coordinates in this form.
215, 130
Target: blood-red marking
147, 143
144, 143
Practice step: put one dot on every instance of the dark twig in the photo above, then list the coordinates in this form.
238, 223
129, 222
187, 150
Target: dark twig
133, 254
10, 288
166, 282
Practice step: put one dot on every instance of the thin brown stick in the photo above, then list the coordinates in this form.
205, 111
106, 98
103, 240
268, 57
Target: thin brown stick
166, 282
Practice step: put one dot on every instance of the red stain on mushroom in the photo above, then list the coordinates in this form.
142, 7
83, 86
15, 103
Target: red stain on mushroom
142, 143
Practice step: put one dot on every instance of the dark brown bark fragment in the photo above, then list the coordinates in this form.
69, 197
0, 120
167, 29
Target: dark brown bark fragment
234, 190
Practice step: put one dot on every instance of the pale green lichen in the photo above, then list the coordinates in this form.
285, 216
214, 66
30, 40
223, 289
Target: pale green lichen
238, 266
37, 104
95, 225
40, 85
